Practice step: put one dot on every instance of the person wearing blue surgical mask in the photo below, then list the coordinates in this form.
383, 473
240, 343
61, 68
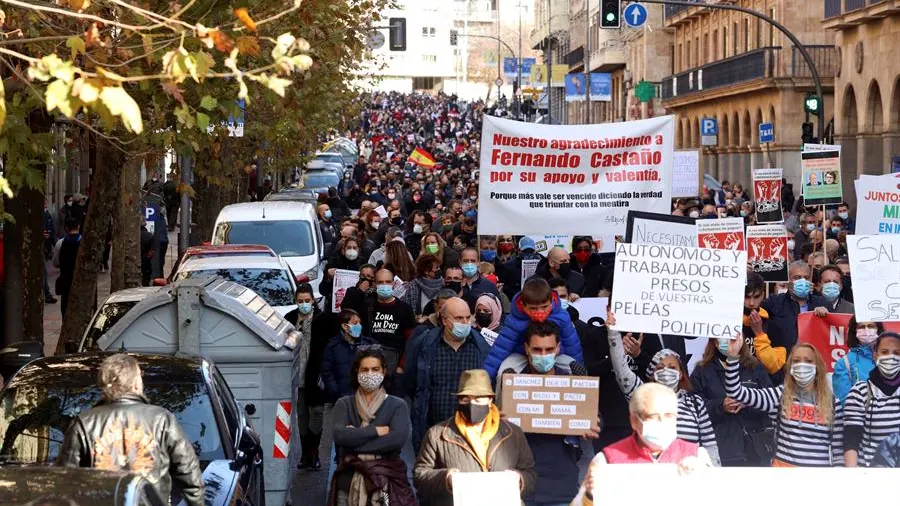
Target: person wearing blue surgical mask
831, 280
474, 285
389, 320
784, 309
555, 456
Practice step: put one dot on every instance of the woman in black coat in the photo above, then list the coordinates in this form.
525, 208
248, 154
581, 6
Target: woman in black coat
347, 256
731, 422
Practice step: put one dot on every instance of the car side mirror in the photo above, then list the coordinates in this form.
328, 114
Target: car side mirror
250, 409
160, 282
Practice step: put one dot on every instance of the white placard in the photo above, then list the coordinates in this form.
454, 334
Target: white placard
529, 267
875, 264
665, 233
569, 179
679, 291
381, 212
877, 205
482, 489
686, 174
343, 279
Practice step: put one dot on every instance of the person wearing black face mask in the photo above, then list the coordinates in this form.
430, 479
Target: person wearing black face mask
557, 265
476, 439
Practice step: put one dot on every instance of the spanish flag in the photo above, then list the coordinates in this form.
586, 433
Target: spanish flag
421, 158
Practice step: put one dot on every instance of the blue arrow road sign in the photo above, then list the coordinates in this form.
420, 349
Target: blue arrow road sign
766, 133
635, 15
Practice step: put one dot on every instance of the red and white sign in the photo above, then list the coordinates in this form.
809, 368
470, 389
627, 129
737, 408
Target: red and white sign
282, 430
767, 195
725, 233
768, 252
827, 334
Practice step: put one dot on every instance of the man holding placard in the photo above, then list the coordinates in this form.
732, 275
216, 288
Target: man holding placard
556, 455
475, 440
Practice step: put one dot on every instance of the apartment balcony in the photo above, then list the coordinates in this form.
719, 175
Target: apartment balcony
610, 56
840, 14
558, 23
575, 58
761, 67
675, 14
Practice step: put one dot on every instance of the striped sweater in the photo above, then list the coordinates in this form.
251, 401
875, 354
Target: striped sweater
870, 416
693, 419
800, 439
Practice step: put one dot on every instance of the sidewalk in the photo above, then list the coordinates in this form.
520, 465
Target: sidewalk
52, 316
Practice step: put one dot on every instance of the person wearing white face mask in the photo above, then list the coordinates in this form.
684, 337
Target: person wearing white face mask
653, 412
370, 429
666, 369
859, 362
873, 406
808, 418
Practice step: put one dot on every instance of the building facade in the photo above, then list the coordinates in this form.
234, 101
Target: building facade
550, 35
742, 71
867, 85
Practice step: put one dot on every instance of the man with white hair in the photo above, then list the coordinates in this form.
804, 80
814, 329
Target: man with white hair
653, 411
124, 432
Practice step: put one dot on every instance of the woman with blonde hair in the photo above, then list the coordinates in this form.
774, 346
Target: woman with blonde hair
433, 244
808, 417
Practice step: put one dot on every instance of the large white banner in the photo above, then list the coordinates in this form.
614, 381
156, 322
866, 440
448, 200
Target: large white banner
877, 205
572, 179
680, 291
875, 264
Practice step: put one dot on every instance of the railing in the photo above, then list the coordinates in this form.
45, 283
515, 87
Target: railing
853, 5
825, 57
737, 69
575, 56
672, 10
832, 8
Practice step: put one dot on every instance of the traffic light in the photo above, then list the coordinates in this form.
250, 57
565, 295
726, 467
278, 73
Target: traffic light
807, 135
610, 12
812, 104
454, 37
397, 32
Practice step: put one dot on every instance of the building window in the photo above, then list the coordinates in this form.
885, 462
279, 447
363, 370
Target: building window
687, 57
759, 33
724, 42
715, 45
746, 35
429, 58
735, 39
428, 31
772, 28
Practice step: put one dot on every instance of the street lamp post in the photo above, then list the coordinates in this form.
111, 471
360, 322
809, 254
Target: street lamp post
549, 62
518, 97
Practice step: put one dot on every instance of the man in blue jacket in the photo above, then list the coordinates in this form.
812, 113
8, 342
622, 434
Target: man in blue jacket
434, 362
784, 308
536, 302
556, 456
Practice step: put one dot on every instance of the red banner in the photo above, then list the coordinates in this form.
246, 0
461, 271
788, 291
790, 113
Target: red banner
827, 334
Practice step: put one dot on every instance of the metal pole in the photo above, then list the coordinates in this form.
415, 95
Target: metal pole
499, 55
518, 98
587, 62
799, 45
186, 164
549, 63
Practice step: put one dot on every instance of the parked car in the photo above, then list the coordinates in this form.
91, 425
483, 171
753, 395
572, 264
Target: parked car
270, 277
334, 157
113, 309
323, 165
75, 487
319, 181
222, 250
42, 399
291, 229
295, 195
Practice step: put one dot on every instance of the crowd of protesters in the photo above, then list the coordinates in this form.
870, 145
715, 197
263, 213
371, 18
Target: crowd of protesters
439, 313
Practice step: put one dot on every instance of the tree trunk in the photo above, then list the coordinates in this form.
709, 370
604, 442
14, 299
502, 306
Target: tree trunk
83, 294
23, 262
126, 261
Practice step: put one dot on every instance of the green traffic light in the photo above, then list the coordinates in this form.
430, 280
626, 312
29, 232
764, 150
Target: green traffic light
610, 17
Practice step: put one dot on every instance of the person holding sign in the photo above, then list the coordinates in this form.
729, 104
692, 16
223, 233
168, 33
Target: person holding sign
474, 440
873, 406
535, 303
370, 429
809, 423
666, 368
859, 362
653, 412
556, 456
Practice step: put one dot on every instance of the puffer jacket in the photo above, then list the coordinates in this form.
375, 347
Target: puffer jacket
512, 339
130, 434
861, 363
445, 448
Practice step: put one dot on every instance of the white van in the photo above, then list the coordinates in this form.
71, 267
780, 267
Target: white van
290, 228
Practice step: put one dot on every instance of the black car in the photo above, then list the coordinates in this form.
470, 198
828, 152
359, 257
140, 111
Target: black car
40, 401
40, 485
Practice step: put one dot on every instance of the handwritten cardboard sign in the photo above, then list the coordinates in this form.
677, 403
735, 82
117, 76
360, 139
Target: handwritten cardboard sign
875, 264
551, 404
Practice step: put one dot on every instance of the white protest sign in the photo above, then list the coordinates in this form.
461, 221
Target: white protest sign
529, 267
877, 205
590, 308
662, 229
381, 212
343, 279
686, 174
875, 264
482, 489
572, 179
679, 291
821, 147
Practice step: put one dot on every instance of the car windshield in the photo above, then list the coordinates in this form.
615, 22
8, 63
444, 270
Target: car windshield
34, 417
292, 238
108, 315
273, 285
320, 180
